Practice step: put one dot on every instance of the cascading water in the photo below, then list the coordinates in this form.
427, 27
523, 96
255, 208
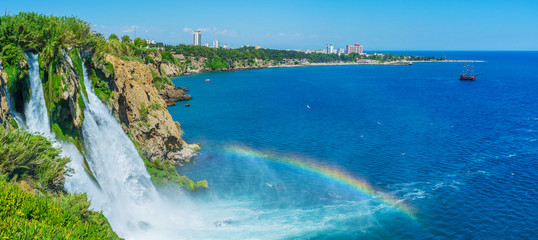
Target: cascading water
35, 110
36, 121
134, 203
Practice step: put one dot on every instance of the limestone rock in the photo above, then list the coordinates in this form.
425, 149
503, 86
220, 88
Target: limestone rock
171, 94
142, 111
5, 115
170, 69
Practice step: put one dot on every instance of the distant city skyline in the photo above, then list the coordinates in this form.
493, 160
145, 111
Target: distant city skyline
384, 25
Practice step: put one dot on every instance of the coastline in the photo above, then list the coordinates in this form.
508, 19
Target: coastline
394, 63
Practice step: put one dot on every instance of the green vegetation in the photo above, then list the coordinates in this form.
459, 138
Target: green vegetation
155, 106
28, 216
167, 57
18, 84
33, 159
218, 63
77, 65
33, 204
220, 58
101, 88
125, 39
160, 81
165, 175
143, 111
113, 37
47, 35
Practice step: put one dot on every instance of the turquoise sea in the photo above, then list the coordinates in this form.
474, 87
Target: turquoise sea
369, 152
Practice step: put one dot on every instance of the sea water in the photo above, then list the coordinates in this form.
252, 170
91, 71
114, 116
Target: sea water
460, 155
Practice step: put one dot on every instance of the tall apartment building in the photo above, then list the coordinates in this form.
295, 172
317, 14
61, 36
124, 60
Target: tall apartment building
330, 49
216, 44
357, 48
197, 38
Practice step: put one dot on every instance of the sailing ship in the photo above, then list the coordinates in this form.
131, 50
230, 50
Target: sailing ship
468, 73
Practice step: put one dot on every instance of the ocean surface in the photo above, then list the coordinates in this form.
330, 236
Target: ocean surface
368, 152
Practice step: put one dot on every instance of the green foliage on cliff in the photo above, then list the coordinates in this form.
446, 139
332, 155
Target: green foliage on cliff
32, 158
100, 87
167, 57
28, 216
160, 81
144, 112
77, 65
218, 63
46, 34
17, 83
164, 174
276, 55
33, 204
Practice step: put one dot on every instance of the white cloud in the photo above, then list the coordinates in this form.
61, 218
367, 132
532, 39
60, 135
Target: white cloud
282, 35
214, 30
129, 29
225, 32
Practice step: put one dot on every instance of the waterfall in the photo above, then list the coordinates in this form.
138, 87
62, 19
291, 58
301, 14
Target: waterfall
35, 110
124, 191
119, 169
36, 121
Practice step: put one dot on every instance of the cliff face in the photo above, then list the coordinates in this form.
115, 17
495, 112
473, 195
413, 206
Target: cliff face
62, 87
190, 65
5, 116
127, 87
142, 111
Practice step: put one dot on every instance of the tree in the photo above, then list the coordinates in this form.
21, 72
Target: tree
125, 38
139, 42
113, 37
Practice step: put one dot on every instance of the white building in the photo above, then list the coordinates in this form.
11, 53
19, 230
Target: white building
197, 38
330, 49
225, 46
207, 45
216, 44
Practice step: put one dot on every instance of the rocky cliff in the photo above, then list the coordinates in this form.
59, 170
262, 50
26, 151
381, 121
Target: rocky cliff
136, 104
5, 115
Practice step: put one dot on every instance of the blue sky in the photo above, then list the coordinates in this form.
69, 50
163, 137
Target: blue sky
376, 24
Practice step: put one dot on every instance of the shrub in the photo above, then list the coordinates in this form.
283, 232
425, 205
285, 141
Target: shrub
159, 81
143, 111
24, 156
28, 216
165, 175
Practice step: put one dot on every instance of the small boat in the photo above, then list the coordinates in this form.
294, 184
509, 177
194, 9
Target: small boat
187, 105
468, 73
207, 80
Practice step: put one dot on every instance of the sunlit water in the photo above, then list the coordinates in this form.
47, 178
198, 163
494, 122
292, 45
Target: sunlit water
461, 155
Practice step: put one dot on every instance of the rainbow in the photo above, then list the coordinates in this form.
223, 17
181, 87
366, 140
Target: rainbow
328, 173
